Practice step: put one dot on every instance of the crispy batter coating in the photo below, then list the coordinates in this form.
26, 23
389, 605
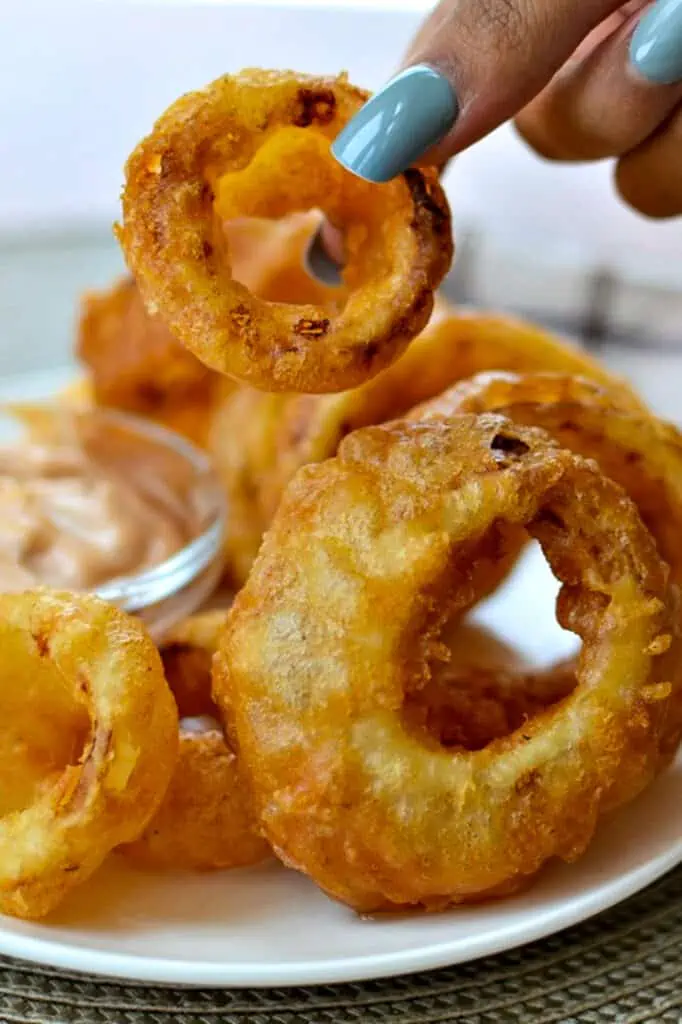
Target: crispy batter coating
368, 554
256, 144
640, 452
242, 442
135, 363
258, 444
206, 819
89, 742
455, 345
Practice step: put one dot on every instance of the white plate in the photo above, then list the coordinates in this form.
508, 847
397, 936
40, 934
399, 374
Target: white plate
268, 926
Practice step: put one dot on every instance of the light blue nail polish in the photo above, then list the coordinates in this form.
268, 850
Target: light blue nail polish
656, 46
397, 125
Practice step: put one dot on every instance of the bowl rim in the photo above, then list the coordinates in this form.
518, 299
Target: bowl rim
134, 592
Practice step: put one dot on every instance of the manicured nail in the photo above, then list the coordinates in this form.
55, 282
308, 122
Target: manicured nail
397, 125
319, 263
656, 46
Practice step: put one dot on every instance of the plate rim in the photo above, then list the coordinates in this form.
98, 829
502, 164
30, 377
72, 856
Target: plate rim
178, 973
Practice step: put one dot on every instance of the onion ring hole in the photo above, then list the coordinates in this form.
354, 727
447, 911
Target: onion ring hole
478, 687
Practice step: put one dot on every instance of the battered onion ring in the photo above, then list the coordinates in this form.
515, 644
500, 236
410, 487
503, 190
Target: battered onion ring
367, 555
89, 742
243, 440
258, 445
259, 142
455, 345
641, 453
205, 820
135, 364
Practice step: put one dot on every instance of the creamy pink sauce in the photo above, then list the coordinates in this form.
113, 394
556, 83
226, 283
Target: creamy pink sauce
69, 521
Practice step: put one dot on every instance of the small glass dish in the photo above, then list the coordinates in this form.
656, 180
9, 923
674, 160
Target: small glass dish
164, 468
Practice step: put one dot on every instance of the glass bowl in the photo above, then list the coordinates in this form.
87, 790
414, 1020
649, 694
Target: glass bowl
165, 468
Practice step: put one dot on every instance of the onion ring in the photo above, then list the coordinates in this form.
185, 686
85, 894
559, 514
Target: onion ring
257, 145
640, 452
136, 365
455, 345
243, 441
259, 444
205, 820
89, 742
368, 554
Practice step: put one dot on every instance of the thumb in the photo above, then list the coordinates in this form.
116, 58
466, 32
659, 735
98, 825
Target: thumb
473, 65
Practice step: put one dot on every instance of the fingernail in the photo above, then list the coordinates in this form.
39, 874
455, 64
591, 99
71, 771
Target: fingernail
656, 46
397, 125
319, 263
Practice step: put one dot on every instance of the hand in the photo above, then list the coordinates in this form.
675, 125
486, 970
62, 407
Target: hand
585, 80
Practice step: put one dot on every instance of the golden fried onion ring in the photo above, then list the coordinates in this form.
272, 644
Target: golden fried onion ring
368, 554
256, 144
640, 452
243, 441
205, 820
89, 742
455, 345
136, 365
259, 443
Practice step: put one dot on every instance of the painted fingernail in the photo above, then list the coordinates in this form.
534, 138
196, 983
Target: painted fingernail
656, 46
397, 125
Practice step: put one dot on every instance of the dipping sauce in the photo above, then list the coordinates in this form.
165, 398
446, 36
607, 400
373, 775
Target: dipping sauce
72, 518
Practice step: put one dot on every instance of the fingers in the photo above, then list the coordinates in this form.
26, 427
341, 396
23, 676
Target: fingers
596, 107
649, 177
474, 64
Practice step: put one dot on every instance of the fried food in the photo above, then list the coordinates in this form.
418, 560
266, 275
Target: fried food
369, 553
258, 444
640, 452
205, 820
243, 442
256, 144
89, 742
455, 345
135, 364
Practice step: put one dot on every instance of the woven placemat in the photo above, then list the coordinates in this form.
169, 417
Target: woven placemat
624, 967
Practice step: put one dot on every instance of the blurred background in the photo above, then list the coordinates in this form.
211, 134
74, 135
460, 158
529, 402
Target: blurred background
81, 82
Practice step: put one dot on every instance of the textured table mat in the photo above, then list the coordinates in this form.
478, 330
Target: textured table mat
624, 967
